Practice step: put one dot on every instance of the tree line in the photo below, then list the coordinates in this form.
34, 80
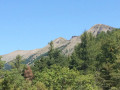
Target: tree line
93, 65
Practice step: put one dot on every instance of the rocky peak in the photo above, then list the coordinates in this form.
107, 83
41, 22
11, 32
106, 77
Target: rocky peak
96, 29
59, 40
74, 36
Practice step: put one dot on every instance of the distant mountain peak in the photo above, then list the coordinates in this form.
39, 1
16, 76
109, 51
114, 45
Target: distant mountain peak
67, 46
60, 38
59, 41
101, 26
96, 29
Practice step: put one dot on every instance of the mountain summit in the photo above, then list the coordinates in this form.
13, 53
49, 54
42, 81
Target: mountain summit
96, 29
67, 46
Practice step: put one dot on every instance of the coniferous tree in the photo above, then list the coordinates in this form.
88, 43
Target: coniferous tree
28, 73
85, 53
51, 50
107, 63
17, 61
1, 63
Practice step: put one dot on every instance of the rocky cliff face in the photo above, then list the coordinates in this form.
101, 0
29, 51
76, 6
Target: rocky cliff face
67, 46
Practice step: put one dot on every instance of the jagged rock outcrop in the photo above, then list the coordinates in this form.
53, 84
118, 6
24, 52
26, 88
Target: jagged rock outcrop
67, 46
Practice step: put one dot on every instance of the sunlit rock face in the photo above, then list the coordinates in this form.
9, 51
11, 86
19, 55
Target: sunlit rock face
98, 28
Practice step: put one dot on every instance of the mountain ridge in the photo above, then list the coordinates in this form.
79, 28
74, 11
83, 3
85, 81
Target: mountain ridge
67, 45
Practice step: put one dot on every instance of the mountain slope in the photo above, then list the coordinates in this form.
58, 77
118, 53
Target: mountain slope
67, 46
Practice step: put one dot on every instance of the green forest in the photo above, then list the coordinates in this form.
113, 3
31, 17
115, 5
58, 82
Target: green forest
93, 65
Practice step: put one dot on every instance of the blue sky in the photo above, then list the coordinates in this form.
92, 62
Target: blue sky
31, 24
